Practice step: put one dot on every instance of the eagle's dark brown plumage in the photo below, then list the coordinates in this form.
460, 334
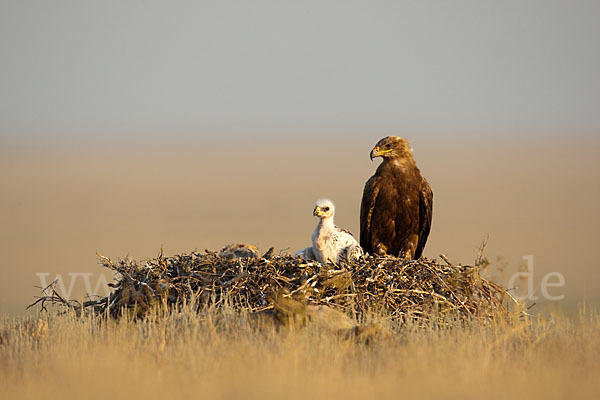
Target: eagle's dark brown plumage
397, 203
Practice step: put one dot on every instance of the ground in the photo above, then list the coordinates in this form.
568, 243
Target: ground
225, 354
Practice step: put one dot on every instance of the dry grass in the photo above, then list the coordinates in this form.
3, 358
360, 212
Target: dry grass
222, 353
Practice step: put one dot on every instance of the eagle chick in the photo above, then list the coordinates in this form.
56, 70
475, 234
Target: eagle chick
330, 243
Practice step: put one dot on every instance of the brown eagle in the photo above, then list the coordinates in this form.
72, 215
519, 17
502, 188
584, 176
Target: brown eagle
397, 203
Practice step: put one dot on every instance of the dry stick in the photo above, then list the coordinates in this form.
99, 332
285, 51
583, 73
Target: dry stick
443, 257
233, 280
480, 250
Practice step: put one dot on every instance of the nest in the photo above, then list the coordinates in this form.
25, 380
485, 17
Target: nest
238, 276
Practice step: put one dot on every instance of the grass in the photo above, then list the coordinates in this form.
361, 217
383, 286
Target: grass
224, 354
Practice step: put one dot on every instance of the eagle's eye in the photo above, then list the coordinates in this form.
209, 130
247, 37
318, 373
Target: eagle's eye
387, 146
326, 208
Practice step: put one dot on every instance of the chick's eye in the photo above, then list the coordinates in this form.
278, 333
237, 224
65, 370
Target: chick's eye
326, 209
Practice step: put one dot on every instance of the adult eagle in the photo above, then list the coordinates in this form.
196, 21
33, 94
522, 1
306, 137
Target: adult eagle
397, 203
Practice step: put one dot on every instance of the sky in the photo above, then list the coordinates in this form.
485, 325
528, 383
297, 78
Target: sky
287, 80
140, 68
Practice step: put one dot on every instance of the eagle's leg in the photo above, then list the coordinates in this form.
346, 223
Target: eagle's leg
380, 249
409, 247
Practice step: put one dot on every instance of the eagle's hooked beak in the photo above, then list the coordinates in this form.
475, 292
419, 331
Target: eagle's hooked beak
377, 153
373, 153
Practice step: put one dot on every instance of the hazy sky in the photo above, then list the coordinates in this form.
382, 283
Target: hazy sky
249, 66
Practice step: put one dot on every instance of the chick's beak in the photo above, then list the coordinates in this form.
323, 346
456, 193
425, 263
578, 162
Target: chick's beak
318, 212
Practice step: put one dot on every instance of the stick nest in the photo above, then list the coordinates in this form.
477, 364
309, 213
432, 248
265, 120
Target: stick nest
239, 277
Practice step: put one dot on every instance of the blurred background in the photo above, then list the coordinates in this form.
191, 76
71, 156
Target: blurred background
127, 126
